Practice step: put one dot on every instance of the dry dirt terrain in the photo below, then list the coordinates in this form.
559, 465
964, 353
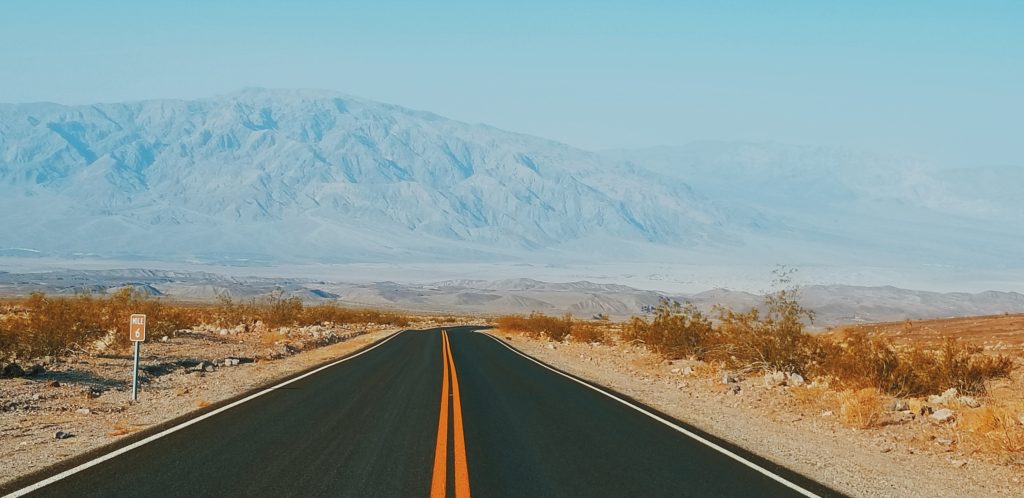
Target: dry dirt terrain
88, 396
999, 333
802, 425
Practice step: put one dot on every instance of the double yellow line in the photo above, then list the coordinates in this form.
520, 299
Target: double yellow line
439, 482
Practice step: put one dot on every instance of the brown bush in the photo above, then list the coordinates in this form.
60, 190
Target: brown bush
676, 331
993, 428
858, 360
775, 340
588, 333
537, 324
330, 313
42, 325
861, 408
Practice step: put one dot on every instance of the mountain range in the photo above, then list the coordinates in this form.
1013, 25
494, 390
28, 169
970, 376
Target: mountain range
301, 176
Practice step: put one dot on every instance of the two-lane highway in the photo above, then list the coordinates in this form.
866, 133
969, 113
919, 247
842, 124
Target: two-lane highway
432, 413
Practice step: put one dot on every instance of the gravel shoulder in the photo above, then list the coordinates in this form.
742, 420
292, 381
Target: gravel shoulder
794, 426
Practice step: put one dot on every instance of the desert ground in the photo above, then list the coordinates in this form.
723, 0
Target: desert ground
861, 442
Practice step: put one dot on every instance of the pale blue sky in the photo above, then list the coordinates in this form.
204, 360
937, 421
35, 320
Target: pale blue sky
936, 79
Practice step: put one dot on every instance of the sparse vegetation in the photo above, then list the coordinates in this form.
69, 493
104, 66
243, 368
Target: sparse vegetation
588, 333
42, 325
776, 339
537, 325
861, 408
677, 331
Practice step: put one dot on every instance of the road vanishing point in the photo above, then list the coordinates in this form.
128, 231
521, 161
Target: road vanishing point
433, 413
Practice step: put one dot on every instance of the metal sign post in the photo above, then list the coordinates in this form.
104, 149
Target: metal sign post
137, 334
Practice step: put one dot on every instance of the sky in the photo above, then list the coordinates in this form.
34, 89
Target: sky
938, 80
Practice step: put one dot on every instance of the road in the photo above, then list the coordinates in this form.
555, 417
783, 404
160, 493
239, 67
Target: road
397, 420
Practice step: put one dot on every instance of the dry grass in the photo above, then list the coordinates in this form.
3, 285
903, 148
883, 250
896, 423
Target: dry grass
995, 428
537, 325
589, 333
203, 403
122, 428
861, 408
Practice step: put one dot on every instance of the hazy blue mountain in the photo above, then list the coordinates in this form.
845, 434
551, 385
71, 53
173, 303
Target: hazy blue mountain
312, 175
858, 207
315, 176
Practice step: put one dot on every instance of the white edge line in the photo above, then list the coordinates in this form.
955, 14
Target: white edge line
669, 423
154, 437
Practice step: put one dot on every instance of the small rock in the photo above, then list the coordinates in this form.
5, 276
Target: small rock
688, 371
550, 346
63, 435
944, 441
899, 405
969, 401
83, 411
12, 370
886, 449
53, 384
1020, 418
942, 416
730, 378
92, 392
796, 379
164, 339
733, 390
675, 370
946, 396
210, 368
826, 413
926, 410
508, 338
958, 463
774, 379
231, 362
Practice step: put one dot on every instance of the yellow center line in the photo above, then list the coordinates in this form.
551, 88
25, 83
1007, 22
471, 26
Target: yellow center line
440, 477
461, 464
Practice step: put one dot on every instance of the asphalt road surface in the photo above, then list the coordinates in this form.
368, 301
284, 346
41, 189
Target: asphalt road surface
398, 420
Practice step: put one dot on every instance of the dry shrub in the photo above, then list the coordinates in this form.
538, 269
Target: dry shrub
42, 325
993, 428
815, 396
773, 338
281, 311
858, 360
772, 341
537, 325
676, 331
330, 313
588, 333
203, 403
861, 408
53, 326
